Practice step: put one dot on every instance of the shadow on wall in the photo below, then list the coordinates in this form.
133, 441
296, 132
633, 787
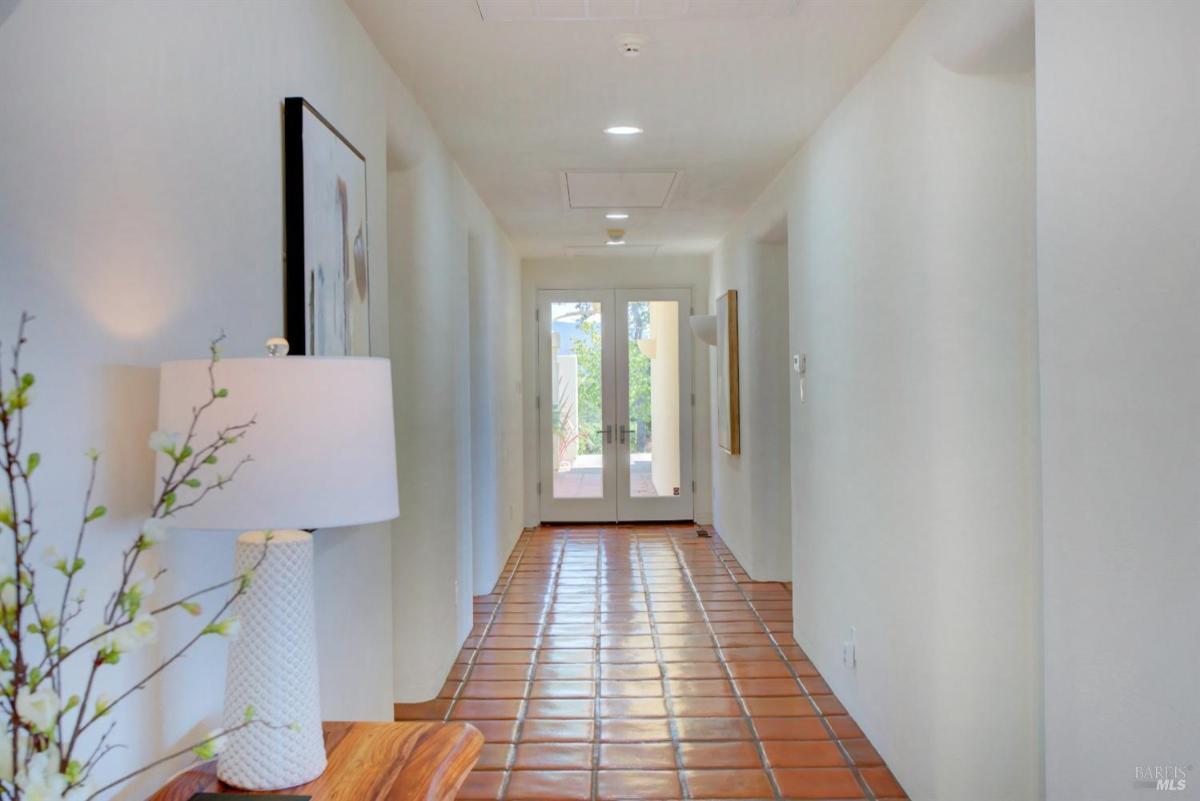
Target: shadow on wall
7, 7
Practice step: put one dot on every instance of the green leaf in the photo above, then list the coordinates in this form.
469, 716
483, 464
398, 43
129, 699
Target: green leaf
169, 500
194, 483
222, 393
34, 460
78, 565
211, 460
205, 750
96, 514
27, 381
249, 714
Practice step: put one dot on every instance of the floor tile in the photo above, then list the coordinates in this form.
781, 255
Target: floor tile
494, 689
862, 753
808, 728
549, 785
553, 756
555, 688
725, 784
712, 729
637, 756
741, 754
481, 785
812, 783
557, 730
661, 785
600, 668
494, 756
804, 754
634, 731
560, 708
471, 708
882, 783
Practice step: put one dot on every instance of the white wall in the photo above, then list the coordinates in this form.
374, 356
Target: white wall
455, 346
914, 463
141, 214
752, 490
1118, 291
661, 272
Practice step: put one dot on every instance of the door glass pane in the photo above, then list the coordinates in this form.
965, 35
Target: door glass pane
653, 426
576, 410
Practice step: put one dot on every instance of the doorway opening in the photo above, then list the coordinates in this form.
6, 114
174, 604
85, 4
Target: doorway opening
614, 405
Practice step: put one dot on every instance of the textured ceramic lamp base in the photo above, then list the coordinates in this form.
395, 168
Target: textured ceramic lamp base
273, 668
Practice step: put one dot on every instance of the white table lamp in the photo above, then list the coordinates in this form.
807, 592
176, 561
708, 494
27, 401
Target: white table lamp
323, 456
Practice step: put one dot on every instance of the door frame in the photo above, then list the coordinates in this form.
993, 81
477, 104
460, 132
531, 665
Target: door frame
616, 505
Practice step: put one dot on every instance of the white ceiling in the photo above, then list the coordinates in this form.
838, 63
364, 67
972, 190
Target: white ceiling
725, 97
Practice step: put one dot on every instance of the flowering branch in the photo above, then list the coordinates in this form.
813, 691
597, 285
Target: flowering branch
41, 727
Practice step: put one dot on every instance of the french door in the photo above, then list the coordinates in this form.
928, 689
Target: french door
614, 405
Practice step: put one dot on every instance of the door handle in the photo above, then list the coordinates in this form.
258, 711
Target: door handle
625, 432
607, 432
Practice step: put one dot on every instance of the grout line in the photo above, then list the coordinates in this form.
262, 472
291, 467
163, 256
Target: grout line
746, 716
597, 632
854, 769
530, 676
672, 725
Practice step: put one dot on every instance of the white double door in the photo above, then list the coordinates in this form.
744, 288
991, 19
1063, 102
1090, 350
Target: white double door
614, 405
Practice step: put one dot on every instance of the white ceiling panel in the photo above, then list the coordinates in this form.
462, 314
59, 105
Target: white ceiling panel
598, 10
619, 190
612, 251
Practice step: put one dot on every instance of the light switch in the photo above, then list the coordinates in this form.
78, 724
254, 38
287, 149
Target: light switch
800, 368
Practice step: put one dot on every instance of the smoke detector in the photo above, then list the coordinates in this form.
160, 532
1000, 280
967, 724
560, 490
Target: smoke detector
631, 44
616, 236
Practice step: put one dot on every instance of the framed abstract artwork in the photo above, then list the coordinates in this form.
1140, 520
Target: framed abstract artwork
729, 433
327, 292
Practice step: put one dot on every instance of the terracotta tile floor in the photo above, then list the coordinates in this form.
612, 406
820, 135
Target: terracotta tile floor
640, 662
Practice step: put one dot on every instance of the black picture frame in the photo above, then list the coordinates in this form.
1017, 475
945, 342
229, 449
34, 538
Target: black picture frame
297, 263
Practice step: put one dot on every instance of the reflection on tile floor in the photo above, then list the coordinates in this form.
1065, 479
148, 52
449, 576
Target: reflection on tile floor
640, 662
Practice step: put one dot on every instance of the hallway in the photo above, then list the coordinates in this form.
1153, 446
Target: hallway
641, 662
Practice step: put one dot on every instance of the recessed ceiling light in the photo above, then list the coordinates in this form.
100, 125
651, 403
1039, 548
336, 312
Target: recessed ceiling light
616, 215
623, 130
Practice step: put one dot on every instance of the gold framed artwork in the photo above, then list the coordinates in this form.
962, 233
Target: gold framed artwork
729, 433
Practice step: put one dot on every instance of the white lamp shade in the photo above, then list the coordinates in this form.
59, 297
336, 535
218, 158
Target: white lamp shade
704, 326
323, 447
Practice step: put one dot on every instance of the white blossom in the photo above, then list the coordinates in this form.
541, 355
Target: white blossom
53, 558
8, 597
39, 708
154, 531
41, 781
166, 442
144, 628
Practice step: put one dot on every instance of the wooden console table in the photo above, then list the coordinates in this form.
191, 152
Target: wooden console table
369, 762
